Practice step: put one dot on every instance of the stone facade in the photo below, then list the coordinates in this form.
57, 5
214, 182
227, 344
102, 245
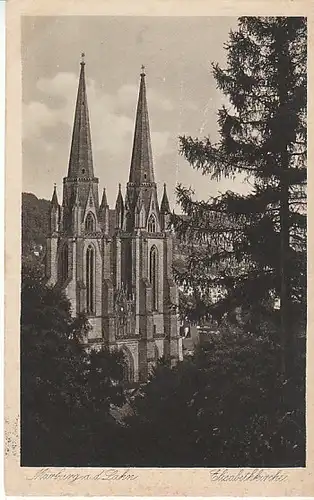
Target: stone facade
116, 265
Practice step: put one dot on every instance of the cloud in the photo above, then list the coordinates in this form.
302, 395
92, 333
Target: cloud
160, 143
35, 116
111, 115
61, 84
127, 94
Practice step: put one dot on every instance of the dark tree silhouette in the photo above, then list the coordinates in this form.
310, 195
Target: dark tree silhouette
225, 406
251, 249
66, 391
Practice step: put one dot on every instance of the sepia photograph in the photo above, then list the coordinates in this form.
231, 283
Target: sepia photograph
163, 318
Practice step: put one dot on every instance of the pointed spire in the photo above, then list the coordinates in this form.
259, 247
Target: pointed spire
142, 160
81, 160
54, 199
54, 212
104, 212
119, 209
165, 207
119, 202
104, 202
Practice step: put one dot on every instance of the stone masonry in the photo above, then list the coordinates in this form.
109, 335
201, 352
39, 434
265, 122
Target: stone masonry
116, 264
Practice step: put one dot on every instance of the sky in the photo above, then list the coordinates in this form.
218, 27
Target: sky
182, 96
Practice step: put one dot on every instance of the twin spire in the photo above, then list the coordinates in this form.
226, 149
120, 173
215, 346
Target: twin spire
81, 158
141, 183
141, 170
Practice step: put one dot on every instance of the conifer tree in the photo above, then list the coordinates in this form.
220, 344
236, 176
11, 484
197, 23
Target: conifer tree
249, 250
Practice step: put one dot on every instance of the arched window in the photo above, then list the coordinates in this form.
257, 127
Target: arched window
64, 262
90, 280
152, 224
90, 223
153, 276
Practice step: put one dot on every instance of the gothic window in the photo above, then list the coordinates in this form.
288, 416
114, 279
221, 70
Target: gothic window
90, 280
152, 224
153, 276
90, 223
64, 262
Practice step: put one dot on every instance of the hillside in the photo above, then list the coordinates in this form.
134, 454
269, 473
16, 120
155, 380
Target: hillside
35, 213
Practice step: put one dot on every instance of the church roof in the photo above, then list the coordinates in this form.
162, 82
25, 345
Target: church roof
142, 160
81, 160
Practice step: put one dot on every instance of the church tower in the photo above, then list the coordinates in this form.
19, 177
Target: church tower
81, 242
146, 251
116, 265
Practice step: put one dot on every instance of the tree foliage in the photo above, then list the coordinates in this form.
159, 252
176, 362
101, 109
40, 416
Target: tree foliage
225, 406
250, 250
35, 215
66, 391
222, 406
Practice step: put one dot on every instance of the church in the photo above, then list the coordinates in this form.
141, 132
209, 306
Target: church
115, 265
